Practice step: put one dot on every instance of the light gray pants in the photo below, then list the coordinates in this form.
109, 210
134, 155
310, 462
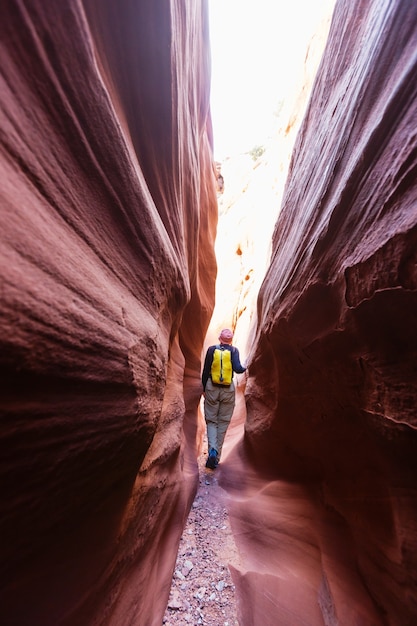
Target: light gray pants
219, 403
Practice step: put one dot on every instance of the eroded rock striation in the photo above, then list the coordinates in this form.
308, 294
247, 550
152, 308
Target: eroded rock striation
326, 501
108, 212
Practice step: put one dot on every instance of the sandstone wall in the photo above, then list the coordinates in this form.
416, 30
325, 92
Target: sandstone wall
108, 212
251, 194
324, 486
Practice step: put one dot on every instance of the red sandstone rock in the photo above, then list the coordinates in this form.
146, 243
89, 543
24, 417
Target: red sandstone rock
325, 514
108, 210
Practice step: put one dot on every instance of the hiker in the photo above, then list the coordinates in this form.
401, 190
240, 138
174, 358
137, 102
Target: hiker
219, 392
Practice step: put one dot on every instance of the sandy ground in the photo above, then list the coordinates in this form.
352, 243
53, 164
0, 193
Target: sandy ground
202, 589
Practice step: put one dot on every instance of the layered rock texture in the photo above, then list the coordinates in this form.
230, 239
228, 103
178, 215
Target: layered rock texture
108, 219
324, 483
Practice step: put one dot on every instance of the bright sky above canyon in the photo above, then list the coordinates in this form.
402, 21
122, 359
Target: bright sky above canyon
258, 49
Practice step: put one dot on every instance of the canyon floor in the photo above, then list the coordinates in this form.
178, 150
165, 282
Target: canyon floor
202, 589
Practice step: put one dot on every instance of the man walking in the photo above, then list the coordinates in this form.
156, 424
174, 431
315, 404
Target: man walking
221, 361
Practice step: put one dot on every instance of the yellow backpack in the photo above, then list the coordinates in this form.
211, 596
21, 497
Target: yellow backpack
221, 367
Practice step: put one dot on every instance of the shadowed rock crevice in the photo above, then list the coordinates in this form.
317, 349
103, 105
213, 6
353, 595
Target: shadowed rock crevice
108, 274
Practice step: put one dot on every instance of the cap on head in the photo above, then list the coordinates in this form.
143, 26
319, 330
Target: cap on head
226, 336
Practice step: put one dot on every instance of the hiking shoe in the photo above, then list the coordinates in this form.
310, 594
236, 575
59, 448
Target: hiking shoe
212, 462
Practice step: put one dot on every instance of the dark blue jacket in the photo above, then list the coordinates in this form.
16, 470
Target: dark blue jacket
236, 364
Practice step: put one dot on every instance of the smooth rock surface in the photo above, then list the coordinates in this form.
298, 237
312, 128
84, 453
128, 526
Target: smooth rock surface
324, 482
108, 218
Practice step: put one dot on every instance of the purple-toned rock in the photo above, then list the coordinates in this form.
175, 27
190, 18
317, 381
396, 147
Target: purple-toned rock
326, 511
108, 217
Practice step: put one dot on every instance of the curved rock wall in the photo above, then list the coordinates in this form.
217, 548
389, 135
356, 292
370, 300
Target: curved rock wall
326, 504
108, 211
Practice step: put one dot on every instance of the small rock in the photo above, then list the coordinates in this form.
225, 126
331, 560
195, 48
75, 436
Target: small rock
220, 585
179, 575
200, 593
188, 566
175, 604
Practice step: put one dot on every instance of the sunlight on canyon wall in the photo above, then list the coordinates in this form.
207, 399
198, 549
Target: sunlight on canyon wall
323, 486
250, 200
109, 218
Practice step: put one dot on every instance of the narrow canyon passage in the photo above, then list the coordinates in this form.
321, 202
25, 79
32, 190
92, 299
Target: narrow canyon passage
202, 589
111, 225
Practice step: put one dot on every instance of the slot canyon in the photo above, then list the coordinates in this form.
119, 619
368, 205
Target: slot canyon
109, 224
